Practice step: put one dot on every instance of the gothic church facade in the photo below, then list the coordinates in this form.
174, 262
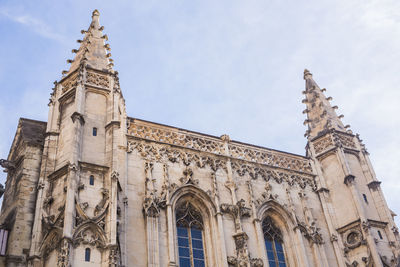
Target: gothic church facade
95, 187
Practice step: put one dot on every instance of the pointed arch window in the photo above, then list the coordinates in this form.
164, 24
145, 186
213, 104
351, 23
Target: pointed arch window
273, 243
189, 225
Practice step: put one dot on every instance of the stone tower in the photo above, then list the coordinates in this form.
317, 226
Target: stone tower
348, 188
94, 187
82, 160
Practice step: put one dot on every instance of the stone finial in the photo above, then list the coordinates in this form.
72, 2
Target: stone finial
225, 138
307, 74
95, 13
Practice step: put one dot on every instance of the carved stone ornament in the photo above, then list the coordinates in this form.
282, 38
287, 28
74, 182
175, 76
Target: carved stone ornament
349, 179
98, 218
164, 154
102, 204
334, 238
97, 79
113, 257
322, 144
50, 242
352, 238
90, 233
237, 211
311, 232
63, 256
50, 222
69, 82
77, 116
72, 167
266, 195
152, 206
344, 140
278, 176
217, 147
114, 176
395, 230
374, 185
366, 226
188, 177
243, 258
7, 165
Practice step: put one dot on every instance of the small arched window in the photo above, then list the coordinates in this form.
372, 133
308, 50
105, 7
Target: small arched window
273, 243
91, 180
189, 225
87, 254
94, 132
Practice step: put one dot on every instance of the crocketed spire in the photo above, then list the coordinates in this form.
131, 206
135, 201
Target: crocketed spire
321, 116
93, 49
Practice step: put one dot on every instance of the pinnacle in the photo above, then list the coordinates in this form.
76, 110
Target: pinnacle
321, 116
93, 50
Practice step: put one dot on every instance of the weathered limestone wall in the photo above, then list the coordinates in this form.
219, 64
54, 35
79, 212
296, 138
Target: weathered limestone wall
20, 196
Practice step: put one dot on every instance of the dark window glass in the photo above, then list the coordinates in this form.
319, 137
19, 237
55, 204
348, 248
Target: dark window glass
380, 234
3, 241
365, 198
189, 225
87, 254
273, 243
94, 131
91, 180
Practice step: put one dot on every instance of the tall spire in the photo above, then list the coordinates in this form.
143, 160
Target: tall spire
93, 49
321, 116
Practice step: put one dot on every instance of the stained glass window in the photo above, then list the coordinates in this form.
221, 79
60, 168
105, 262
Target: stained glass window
189, 224
273, 243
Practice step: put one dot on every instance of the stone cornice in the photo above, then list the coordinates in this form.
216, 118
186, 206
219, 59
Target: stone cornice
92, 166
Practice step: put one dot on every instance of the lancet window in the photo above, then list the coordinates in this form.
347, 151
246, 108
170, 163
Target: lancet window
273, 243
189, 225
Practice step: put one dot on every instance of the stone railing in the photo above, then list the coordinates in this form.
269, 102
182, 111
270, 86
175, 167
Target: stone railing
219, 146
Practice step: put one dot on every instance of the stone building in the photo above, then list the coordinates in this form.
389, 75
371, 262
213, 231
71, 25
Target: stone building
95, 187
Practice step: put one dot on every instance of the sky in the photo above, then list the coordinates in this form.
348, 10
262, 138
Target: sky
220, 67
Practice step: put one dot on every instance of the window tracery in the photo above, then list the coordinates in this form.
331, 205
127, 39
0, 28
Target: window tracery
189, 224
273, 243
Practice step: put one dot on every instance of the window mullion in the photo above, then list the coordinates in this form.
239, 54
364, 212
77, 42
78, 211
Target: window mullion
275, 253
191, 246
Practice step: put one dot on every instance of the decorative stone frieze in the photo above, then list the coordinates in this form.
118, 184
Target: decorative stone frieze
97, 79
216, 146
164, 154
63, 256
322, 144
266, 173
69, 82
344, 140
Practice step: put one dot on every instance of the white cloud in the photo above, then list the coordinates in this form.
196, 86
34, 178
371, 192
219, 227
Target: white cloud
34, 24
